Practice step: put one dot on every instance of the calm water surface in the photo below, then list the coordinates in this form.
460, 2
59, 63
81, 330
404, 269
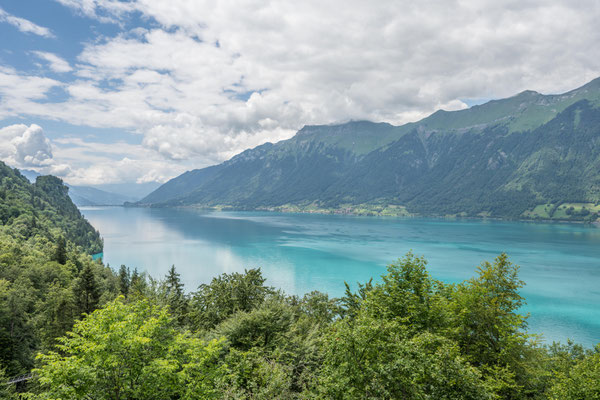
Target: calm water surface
560, 263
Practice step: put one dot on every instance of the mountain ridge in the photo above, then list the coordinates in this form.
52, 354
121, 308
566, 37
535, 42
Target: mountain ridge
494, 159
85, 196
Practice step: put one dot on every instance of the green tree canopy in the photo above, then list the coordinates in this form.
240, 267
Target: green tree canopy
129, 351
226, 295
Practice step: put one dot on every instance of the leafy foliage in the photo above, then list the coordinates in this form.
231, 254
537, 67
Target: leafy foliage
577, 375
226, 295
406, 336
129, 351
43, 262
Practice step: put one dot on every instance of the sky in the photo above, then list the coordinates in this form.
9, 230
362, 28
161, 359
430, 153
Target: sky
124, 92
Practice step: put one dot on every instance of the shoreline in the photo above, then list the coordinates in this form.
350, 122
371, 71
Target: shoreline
346, 212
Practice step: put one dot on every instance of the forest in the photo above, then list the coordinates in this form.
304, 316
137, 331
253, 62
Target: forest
84, 330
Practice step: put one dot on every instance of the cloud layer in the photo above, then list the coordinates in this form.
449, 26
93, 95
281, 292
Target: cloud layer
207, 79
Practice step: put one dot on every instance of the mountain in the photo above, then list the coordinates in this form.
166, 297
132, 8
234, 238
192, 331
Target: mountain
527, 156
47, 278
133, 191
30, 174
115, 195
42, 210
89, 196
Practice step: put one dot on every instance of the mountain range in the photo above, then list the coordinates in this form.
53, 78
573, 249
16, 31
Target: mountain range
527, 156
88, 196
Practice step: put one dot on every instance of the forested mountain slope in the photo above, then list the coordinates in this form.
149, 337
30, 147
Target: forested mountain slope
530, 155
47, 278
85, 195
43, 208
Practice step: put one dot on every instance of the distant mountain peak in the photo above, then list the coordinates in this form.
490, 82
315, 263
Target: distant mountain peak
528, 93
501, 158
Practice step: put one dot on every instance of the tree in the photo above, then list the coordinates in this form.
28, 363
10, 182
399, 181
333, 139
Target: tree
351, 302
261, 327
6, 391
59, 314
319, 307
60, 255
138, 285
274, 350
491, 332
129, 351
124, 280
408, 294
175, 296
372, 358
227, 294
17, 336
87, 292
581, 378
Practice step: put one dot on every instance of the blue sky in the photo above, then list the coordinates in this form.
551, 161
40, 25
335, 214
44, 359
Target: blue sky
112, 92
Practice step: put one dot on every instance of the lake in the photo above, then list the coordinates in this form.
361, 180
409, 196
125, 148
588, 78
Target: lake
560, 263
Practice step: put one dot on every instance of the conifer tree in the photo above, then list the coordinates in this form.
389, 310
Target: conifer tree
87, 292
124, 280
60, 255
175, 296
138, 284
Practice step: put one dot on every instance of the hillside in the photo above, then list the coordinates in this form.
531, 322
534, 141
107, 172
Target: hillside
86, 195
527, 156
89, 196
47, 278
43, 208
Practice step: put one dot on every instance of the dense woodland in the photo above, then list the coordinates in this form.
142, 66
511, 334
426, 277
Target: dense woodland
90, 332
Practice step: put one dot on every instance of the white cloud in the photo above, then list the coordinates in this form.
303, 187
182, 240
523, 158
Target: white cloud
95, 163
25, 25
19, 94
212, 78
81, 162
125, 170
33, 148
25, 146
55, 63
102, 10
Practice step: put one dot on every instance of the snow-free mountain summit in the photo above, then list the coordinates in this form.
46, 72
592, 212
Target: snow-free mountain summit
530, 155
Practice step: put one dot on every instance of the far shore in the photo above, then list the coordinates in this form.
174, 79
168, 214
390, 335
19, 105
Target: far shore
349, 211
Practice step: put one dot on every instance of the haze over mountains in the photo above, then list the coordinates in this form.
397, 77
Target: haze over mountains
530, 155
91, 196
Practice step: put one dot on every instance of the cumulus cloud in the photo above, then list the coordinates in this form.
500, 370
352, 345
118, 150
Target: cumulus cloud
207, 79
25, 25
95, 163
55, 63
81, 162
33, 147
25, 146
125, 170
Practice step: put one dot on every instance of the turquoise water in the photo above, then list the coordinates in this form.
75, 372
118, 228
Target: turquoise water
302, 252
